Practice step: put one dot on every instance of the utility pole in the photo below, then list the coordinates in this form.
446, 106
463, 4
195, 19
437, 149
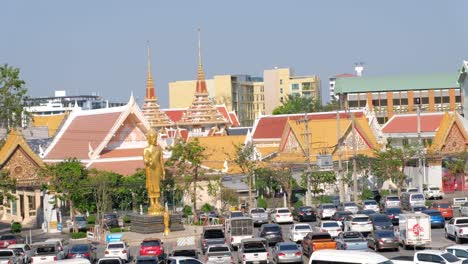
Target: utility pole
340, 163
420, 146
307, 150
355, 183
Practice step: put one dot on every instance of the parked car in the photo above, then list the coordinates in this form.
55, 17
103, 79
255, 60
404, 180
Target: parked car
118, 249
359, 223
349, 206
62, 245
83, 251
80, 223
351, 240
433, 192
111, 220
287, 252
298, 231
370, 205
417, 209
147, 260
340, 216
410, 190
282, 215
9, 256
460, 251
25, 251
457, 228
6, 240
463, 209
390, 201
212, 235
272, 233
383, 239
316, 241
186, 252
437, 220
366, 212
259, 216
381, 222
326, 210
219, 254
151, 247
110, 260
393, 213
304, 213
46, 252
444, 208
331, 227
253, 250
182, 260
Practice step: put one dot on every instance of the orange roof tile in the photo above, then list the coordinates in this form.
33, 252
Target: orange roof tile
126, 167
408, 123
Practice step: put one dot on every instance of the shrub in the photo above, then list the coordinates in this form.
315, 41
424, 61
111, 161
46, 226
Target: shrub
366, 195
77, 235
187, 211
325, 199
126, 219
384, 192
262, 203
16, 227
298, 204
116, 230
91, 220
206, 208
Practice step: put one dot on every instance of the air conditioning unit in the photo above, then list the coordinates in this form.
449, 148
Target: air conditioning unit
325, 162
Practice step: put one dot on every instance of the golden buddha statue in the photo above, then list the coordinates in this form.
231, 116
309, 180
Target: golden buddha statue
154, 169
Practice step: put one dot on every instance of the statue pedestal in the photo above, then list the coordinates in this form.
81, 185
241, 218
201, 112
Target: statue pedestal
145, 224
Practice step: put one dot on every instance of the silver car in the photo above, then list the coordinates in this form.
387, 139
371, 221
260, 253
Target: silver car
287, 252
217, 254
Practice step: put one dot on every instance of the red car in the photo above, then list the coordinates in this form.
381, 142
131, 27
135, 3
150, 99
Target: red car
6, 240
444, 208
151, 247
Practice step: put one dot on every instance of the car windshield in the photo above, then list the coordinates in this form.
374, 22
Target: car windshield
218, 249
462, 221
110, 216
417, 197
392, 198
254, 247
236, 214
151, 243
79, 248
385, 233
7, 237
344, 213
419, 208
185, 253
272, 229
352, 235
6, 253
283, 211
381, 219
393, 211
350, 205
370, 203
450, 257
330, 224
118, 245
214, 233
361, 219
288, 247
302, 227
321, 236
434, 188
45, 250
328, 206
305, 209
110, 261
80, 218
443, 205
258, 211
144, 261
433, 213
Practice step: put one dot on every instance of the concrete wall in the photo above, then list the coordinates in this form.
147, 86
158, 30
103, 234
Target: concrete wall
433, 176
271, 83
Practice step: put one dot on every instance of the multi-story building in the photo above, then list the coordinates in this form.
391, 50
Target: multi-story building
248, 96
332, 81
463, 82
389, 95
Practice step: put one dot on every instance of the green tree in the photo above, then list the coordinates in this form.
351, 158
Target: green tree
317, 180
131, 193
12, 95
69, 180
244, 157
390, 164
229, 196
296, 104
187, 158
286, 180
104, 186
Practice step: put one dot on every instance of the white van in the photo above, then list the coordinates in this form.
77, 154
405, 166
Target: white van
329, 256
410, 199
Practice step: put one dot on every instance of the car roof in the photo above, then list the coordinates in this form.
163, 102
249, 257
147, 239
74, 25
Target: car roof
301, 224
359, 215
287, 243
16, 245
464, 247
116, 242
328, 221
180, 258
430, 211
282, 208
269, 225
151, 239
255, 239
218, 245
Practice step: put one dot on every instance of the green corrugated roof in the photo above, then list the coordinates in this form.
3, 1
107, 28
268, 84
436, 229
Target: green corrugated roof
396, 83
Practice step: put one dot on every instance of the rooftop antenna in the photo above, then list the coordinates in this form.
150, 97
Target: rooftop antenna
359, 68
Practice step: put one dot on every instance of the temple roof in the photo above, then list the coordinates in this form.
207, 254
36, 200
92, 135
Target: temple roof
123, 167
408, 123
176, 114
449, 122
52, 122
14, 141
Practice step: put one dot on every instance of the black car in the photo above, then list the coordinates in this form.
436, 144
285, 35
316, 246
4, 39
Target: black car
111, 220
366, 212
272, 233
82, 251
147, 260
381, 222
383, 239
393, 213
305, 213
193, 253
340, 216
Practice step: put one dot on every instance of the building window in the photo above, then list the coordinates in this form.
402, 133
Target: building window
281, 81
281, 90
306, 86
281, 99
405, 142
295, 86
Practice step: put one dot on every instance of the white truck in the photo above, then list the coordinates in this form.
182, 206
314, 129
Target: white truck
457, 228
239, 228
428, 256
414, 230
9, 256
253, 250
46, 252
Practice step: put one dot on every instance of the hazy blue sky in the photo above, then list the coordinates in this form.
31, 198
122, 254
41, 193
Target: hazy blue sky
100, 46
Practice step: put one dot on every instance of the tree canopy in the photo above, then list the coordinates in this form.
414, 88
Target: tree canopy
12, 95
295, 104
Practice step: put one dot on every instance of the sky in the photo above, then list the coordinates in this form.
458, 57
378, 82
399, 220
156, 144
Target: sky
87, 47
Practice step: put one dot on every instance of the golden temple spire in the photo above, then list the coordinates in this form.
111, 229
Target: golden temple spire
150, 94
200, 73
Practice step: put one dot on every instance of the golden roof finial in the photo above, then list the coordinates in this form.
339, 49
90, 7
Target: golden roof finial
148, 58
200, 73
150, 93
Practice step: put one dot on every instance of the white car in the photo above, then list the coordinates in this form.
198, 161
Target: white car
117, 249
433, 192
370, 205
25, 251
349, 206
360, 223
298, 231
460, 251
331, 227
282, 215
182, 260
326, 210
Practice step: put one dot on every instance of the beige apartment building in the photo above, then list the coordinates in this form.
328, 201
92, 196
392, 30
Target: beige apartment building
248, 96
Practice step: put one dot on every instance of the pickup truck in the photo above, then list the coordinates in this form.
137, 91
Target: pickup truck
212, 235
46, 252
9, 256
457, 228
315, 241
428, 256
259, 216
219, 254
253, 250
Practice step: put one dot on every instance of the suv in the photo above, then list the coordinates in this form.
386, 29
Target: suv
118, 249
80, 223
272, 233
111, 220
151, 247
433, 192
390, 201
211, 235
359, 223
